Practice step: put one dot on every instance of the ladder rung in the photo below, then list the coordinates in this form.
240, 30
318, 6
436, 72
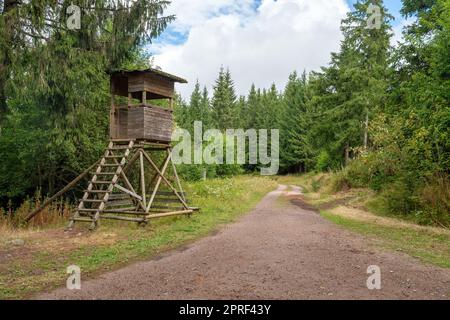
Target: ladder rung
115, 157
110, 165
119, 196
101, 182
118, 148
88, 210
120, 210
103, 173
92, 201
82, 219
96, 191
115, 203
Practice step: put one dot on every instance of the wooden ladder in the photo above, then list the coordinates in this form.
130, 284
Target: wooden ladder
109, 170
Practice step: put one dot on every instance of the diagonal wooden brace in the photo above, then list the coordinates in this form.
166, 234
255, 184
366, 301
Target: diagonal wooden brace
161, 175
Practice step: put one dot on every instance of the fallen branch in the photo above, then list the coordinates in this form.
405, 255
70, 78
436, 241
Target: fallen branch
60, 193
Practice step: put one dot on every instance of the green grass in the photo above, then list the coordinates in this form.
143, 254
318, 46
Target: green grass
221, 201
426, 245
429, 245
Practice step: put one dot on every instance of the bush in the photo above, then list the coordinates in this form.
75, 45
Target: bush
191, 172
323, 161
435, 200
399, 198
339, 182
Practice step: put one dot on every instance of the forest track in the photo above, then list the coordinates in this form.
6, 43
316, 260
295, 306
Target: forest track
281, 250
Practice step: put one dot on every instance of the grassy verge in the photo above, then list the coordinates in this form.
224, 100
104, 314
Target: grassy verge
427, 245
41, 263
351, 211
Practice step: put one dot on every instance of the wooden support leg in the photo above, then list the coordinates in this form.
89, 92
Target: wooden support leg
164, 178
174, 168
158, 182
141, 162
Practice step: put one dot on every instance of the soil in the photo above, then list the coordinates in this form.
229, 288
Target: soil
287, 252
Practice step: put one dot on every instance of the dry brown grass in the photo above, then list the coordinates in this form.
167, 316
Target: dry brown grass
11, 222
365, 216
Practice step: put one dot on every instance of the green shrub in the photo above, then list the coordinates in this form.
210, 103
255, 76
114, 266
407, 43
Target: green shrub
435, 200
324, 161
339, 181
399, 198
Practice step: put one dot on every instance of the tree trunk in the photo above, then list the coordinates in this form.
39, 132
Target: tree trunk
347, 154
6, 39
366, 131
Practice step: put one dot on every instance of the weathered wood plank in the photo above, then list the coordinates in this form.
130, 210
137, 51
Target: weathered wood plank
109, 217
168, 214
131, 193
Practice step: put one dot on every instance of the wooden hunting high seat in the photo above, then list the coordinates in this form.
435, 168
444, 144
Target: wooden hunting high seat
128, 184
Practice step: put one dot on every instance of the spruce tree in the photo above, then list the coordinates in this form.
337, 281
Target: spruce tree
224, 102
37, 31
295, 152
195, 107
351, 90
205, 109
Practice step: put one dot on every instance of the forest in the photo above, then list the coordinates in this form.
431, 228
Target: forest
377, 116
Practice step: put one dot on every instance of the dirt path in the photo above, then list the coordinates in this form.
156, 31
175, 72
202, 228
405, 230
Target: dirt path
278, 251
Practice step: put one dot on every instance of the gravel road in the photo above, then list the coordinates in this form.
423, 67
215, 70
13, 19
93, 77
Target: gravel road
278, 251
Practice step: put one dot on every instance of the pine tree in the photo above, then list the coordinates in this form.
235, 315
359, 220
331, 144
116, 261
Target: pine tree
205, 109
295, 151
195, 107
269, 109
251, 108
351, 90
224, 102
36, 31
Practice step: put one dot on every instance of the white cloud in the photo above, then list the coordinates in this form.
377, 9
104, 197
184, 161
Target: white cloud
192, 13
260, 46
398, 30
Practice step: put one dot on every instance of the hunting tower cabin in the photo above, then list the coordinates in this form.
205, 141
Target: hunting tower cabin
136, 118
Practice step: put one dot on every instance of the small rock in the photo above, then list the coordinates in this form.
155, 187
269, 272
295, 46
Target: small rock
17, 242
79, 235
330, 294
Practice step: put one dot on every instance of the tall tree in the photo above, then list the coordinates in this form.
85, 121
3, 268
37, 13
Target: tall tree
54, 84
205, 109
295, 151
111, 29
224, 101
351, 90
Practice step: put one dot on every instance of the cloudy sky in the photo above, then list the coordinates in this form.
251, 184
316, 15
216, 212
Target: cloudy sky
260, 41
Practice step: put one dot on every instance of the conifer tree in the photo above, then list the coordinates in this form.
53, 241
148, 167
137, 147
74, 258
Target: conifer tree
205, 109
295, 151
351, 90
224, 102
